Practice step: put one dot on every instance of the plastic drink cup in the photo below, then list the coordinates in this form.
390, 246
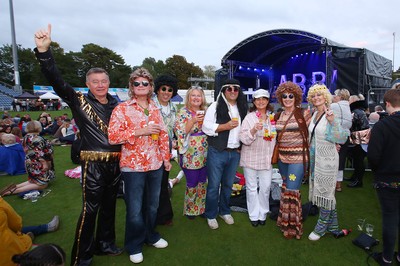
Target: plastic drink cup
369, 229
153, 136
200, 112
360, 224
34, 198
235, 119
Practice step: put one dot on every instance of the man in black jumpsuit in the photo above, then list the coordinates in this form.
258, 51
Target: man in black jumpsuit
99, 159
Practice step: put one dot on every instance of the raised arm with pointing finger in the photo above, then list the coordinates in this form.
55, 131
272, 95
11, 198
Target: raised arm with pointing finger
43, 39
99, 159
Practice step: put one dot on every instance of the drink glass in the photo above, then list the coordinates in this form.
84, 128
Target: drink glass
200, 112
34, 197
153, 136
360, 224
369, 228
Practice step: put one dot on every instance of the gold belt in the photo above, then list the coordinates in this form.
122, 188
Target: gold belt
103, 156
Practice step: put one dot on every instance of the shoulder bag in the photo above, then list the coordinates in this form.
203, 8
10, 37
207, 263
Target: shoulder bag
360, 137
275, 154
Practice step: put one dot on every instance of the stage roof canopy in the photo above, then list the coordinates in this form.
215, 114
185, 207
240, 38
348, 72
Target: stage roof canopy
269, 58
271, 47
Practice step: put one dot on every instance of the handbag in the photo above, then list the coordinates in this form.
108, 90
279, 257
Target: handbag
275, 154
365, 241
360, 137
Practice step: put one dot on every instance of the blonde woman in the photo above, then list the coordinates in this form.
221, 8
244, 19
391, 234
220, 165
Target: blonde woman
192, 148
38, 160
325, 132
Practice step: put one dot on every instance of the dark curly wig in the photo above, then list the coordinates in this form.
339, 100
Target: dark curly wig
43, 255
166, 80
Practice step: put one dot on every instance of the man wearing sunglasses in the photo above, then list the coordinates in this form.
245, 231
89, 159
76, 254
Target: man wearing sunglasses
222, 125
165, 88
99, 159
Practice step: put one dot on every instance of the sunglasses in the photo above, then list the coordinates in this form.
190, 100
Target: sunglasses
285, 96
232, 88
137, 83
165, 89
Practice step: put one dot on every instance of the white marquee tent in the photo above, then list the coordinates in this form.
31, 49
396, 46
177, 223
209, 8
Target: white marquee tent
49, 96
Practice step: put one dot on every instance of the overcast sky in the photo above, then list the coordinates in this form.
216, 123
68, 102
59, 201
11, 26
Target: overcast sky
201, 31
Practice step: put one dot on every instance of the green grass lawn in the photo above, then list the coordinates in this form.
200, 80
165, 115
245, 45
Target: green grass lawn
191, 242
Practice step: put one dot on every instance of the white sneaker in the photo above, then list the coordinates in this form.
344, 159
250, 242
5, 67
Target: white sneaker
212, 223
227, 218
53, 224
161, 244
313, 236
136, 258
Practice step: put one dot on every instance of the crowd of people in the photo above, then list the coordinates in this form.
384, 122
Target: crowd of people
22, 105
131, 142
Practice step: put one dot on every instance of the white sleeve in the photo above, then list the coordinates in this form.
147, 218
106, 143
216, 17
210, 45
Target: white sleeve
209, 124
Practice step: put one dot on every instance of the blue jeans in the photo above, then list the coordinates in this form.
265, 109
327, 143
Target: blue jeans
221, 170
35, 229
292, 174
142, 193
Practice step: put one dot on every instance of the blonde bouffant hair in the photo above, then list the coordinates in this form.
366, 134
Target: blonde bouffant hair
320, 89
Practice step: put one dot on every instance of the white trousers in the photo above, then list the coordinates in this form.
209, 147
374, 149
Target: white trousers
258, 186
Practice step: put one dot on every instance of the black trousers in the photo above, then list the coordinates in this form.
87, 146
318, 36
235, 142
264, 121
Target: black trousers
344, 149
358, 155
164, 212
389, 199
100, 183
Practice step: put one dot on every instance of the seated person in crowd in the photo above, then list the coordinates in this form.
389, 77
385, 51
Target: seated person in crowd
14, 238
43, 121
68, 132
38, 160
55, 129
12, 156
17, 132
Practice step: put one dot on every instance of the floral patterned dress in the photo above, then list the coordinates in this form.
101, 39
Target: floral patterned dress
38, 159
192, 150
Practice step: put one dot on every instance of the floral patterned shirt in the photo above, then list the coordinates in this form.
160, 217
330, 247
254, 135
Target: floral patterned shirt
138, 153
38, 149
193, 148
168, 118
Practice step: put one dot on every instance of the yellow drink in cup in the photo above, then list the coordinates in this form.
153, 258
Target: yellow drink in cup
235, 119
153, 136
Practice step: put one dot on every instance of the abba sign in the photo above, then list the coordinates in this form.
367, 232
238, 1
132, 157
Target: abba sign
317, 76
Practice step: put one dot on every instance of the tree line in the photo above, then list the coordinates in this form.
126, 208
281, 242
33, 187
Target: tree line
74, 65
